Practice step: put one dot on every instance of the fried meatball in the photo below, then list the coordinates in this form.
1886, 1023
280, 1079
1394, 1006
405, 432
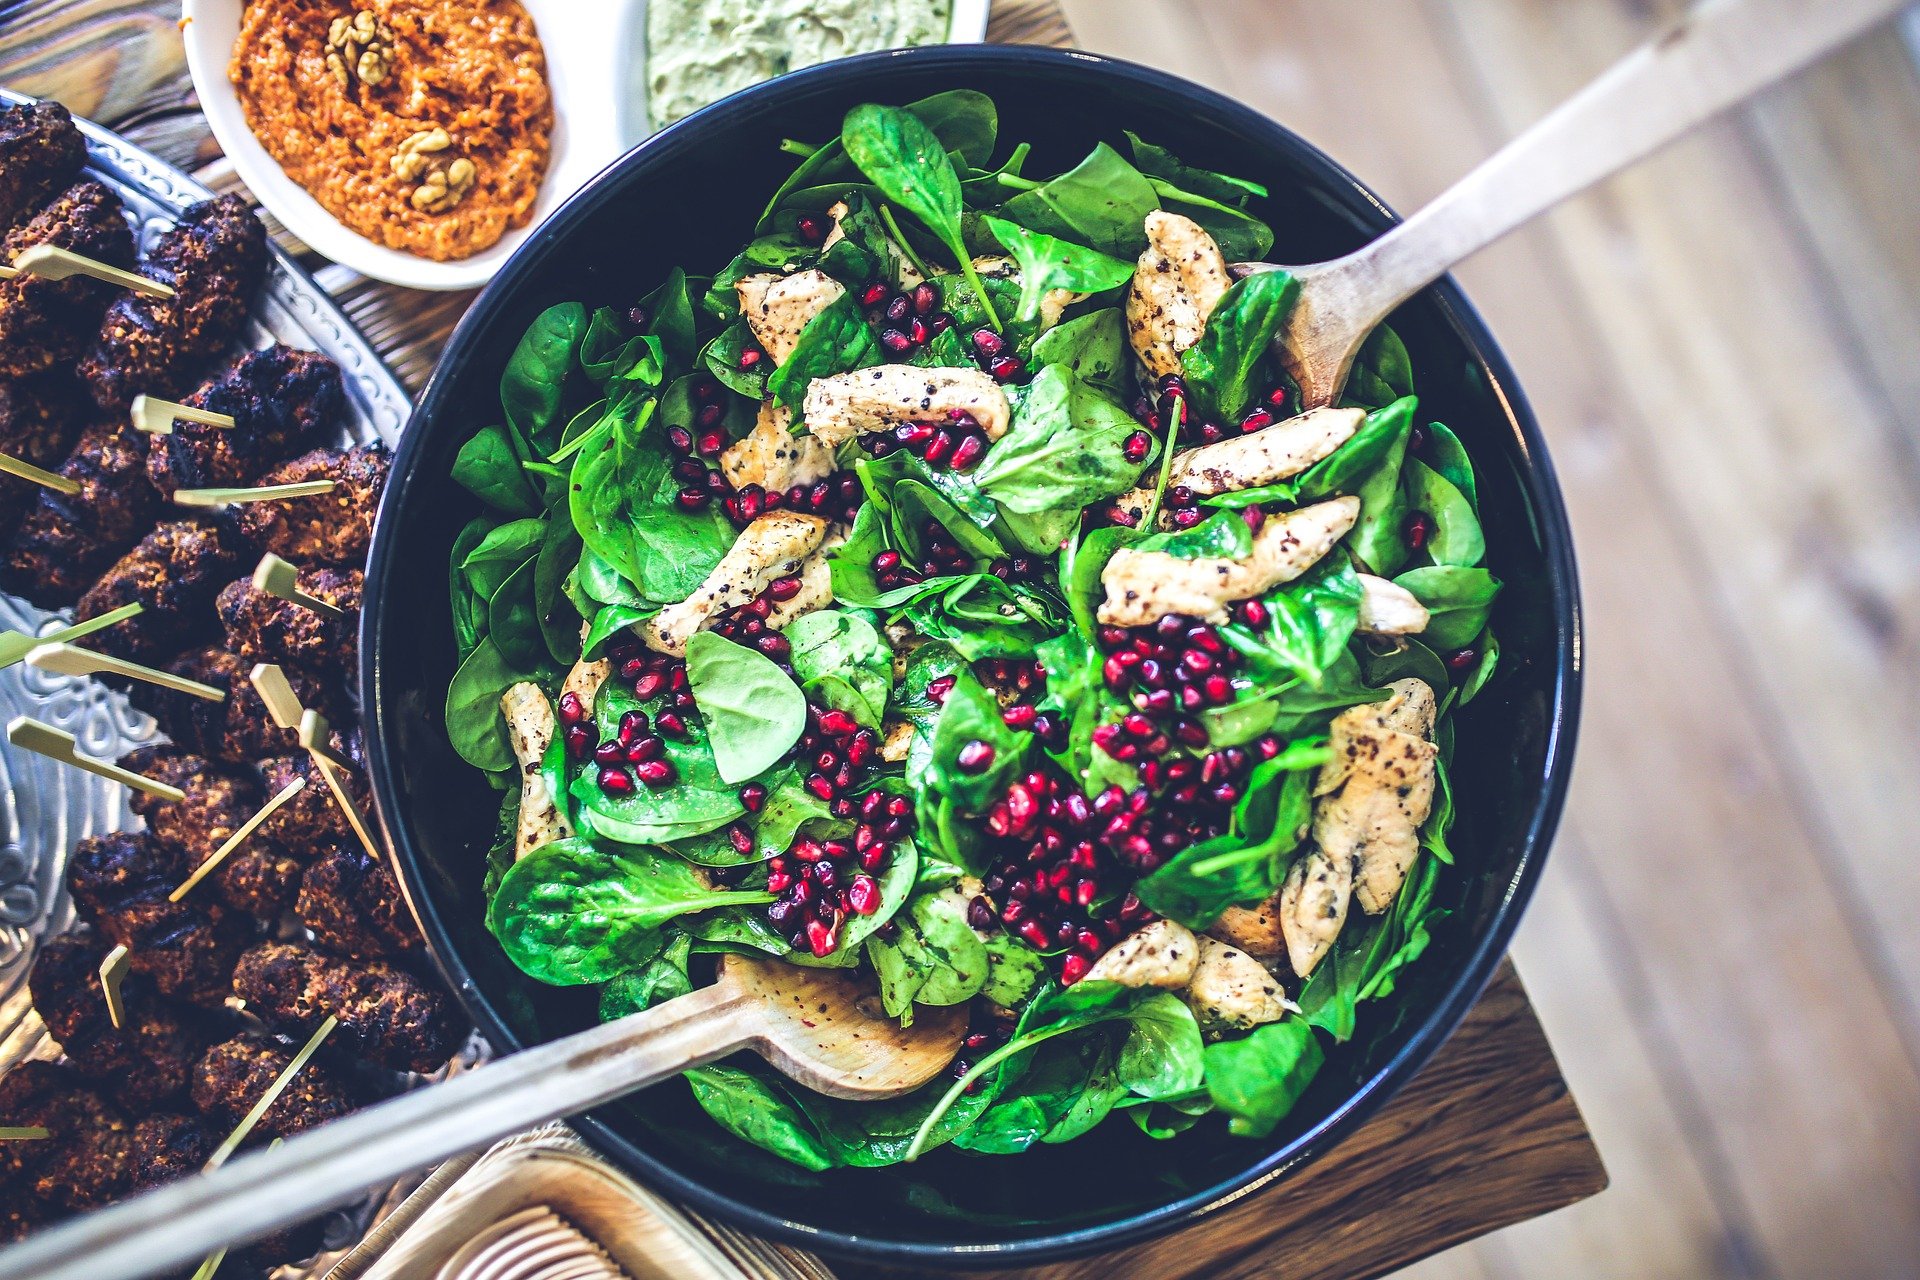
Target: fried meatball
166, 1147
53, 1096
280, 399
233, 1075
20, 1216
46, 324
264, 628
39, 418
41, 151
65, 541
174, 572
331, 528
120, 884
143, 1064
237, 730
215, 258
353, 905
259, 877
386, 1014
311, 822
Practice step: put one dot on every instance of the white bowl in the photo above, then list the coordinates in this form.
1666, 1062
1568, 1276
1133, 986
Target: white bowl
596, 60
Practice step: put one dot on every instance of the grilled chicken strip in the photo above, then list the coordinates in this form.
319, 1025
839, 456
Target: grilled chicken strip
772, 457
846, 405
233, 1075
1052, 303
530, 728
332, 528
142, 1064
1231, 991
816, 583
41, 151
65, 540
386, 1014
1376, 791
778, 307
774, 546
174, 573
46, 324
1389, 609
1144, 586
1180, 280
353, 905
1263, 457
120, 884
1255, 930
215, 258
1163, 954
1311, 907
280, 399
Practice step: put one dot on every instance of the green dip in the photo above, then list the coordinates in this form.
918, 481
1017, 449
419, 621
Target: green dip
699, 51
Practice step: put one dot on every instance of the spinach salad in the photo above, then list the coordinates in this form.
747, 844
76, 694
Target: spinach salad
950, 585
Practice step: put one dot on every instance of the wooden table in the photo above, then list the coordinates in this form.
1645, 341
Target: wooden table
1486, 1136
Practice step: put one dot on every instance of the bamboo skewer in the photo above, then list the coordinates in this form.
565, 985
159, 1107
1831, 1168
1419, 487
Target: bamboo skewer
44, 739
332, 767
113, 972
238, 838
50, 262
283, 704
155, 416
15, 645
39, 475
71, 660
257, 493
23, 1133
276, 577
247, 1122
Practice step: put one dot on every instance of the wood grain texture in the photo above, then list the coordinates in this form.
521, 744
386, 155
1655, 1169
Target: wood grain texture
1485, 1135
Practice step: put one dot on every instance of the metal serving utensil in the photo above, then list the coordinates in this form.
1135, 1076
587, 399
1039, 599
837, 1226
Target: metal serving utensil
822, 1027
1717, 55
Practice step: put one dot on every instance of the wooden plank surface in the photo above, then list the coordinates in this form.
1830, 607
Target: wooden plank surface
1720, 347
1487, 1135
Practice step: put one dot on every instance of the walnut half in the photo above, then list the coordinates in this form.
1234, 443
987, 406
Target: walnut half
359, 47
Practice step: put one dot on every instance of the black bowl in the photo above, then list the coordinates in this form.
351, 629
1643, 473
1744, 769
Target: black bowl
690, 196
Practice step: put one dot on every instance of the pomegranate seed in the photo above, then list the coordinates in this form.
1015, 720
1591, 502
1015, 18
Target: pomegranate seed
875, 858
925, 298
820, 786
615, 782
691, 499
811, 228
899, 309
1136, 447
873, 295
980, 915
1461, 660
895, 342
938, 448
1256, 420
609, 753
886, 562
837, 723
1006, 368
1418, 530
820, 938
572, 710
750, 499
975, 757
1036, 935
579, 740
753, 797
656, 773
648, 685
863, 895
741, 839
669, 724
967, 454
939, 687
783, 589
1019, 716
988, 343
1074, 968
749, 357
647, 748
773, 645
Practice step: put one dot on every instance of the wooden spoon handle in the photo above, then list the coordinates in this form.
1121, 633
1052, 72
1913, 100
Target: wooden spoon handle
1720, 53
178, 1224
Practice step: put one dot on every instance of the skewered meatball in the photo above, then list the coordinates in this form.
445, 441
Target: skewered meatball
353, 905
92, 1170
39, 418
386, 1014
237, 730
259, 877
20, 1216
81, 1164
311, 821
46, 324
120, 884
142, 1064
233, 1075
65, 540
330, 528
215, 258
174, 572
41, 151
264, 628
166, 1147
279, 400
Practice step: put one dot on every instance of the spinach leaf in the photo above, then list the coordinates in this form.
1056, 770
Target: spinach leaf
1309, 621
963, 120
1489, 646
1369, 954
972, 715
1093, 346
750, 1108
1382, 371
609, 353
837, 340
490, 467
1241, 236
1456, 539
1013, 971
1257, 1079
1222, 536
475, 724
698, 802
559, 621
1460, 599
503, 549
722, 354
1050, 263
534, 384
662, 978
1378, 538
669, 309
1063, 451
469, 606
1450, 460
1160, 1058
1102, 202
609, 621
1158, 162
753, 710
513, 623
1081, 565
843, 658
570, 913
1220, 368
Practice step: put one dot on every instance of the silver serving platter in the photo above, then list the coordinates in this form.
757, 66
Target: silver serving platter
45, 807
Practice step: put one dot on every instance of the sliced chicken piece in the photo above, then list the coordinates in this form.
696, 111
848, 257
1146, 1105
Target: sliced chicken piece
1263, 457
898, 742
1377, 790
530, 728
1180, 279
774, 546
1255, 930
1163, 954
586, 677
1231, 991
1145, 586
816, 583
778, 307
772, 457
1389, 609
1312, 906
1053, 302
846, 405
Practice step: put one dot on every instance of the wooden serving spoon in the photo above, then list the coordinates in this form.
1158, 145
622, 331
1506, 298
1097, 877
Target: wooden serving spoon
822, 1027
1719, 54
